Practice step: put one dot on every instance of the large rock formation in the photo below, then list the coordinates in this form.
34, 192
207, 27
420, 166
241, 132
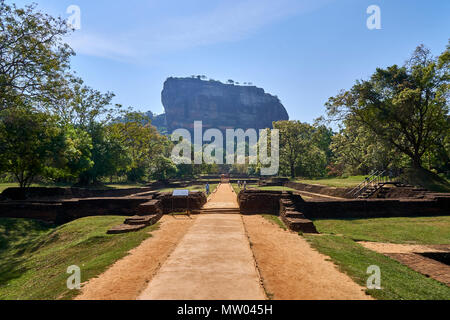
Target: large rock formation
218, 105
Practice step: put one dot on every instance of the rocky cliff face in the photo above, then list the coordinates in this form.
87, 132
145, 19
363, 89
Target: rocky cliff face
218, 105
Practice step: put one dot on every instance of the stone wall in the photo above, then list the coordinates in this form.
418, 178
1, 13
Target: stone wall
174, 204
48, 212
67, 210
258, 202
376, 208
313, 188
18, 194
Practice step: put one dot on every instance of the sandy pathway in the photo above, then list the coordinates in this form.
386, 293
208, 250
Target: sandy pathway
212, 262
129, 276
209, 257
292, 270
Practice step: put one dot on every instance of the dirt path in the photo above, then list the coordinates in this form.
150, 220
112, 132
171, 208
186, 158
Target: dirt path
292, 270
129, 276
209, 257
223, 198
212, 262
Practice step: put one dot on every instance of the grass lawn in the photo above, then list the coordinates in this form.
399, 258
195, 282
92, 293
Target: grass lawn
124, 186
237, 189
212, 186
276, 188
255, 186
276, 220
4, 186
422, 230
349, 182
398, 282
339, 241
34, 257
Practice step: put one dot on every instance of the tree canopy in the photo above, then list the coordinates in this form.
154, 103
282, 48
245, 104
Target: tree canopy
405, 107
33, 57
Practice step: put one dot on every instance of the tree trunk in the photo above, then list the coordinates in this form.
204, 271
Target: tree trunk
417, 162
292, 171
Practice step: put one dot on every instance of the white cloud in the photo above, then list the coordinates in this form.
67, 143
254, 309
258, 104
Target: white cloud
229, 21
101, 46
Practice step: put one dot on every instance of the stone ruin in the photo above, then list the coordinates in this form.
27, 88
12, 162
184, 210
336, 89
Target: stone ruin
144, 207
299, 214
60, 205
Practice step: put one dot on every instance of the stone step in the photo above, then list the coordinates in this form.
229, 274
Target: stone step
300, 225
150, 208
217, 211
294, 214
147, 220
125, 228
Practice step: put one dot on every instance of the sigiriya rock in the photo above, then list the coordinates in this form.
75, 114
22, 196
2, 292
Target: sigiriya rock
218, 105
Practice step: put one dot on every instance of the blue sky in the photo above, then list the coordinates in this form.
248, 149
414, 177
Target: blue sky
302, 51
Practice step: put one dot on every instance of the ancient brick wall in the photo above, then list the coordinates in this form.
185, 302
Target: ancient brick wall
329, 191
64, 211
174, 204
19, 194
257, 202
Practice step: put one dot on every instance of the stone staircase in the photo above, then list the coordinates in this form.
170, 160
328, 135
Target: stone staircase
370, 190
292, 217
383, 190
148, 214
217, 211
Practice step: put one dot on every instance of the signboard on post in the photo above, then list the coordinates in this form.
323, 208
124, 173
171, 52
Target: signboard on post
181, 194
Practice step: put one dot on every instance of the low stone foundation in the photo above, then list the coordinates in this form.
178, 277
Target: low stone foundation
18, 194
313, 188
376, 208
298, 214
390, 191
143, 203
259, 202
170, 204
279, 203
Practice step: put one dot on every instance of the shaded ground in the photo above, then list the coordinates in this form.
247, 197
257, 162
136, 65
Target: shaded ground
34, 257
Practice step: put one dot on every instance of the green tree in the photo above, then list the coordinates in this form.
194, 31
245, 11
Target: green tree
77, 155
405, 107
361, 152
33, 57
81, 106
163, 168
141, 141
295, 141
109, 156
30, 142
